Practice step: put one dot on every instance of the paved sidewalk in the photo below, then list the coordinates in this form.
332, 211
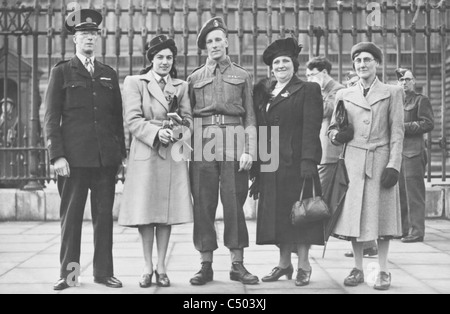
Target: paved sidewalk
29, 263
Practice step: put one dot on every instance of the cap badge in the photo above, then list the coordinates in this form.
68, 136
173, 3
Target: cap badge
216, 24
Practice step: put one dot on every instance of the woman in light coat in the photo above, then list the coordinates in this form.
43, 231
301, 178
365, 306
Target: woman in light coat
157, 191
373, 159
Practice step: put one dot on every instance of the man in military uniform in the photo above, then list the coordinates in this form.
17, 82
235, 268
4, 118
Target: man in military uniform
84, 126
221, 98
419, 120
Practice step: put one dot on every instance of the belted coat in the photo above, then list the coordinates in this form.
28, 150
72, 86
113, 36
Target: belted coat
157, 189
371, 211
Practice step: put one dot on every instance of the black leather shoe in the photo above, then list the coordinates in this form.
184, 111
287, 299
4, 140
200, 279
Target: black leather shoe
277, 273
110, 282
162, 280
303, 277
355, 278
60, 285
412, 239
146, 281
239, 273
204, 276
369, 252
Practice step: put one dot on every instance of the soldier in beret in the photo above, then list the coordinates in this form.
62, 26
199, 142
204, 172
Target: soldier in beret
419, 120
371, 209
84, 126
221, 99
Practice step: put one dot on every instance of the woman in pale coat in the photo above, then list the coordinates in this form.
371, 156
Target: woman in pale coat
373, 159
157, 192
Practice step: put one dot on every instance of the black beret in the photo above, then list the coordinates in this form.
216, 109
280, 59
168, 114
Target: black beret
208, 27
83, 20
282, 47
159, 43
367, 47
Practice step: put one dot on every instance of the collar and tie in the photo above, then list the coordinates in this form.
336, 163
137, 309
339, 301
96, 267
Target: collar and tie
89, 66
162, 83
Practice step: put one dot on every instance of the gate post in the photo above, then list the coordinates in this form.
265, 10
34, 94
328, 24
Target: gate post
33, 130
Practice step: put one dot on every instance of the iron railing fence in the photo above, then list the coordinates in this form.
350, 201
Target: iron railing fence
412, 33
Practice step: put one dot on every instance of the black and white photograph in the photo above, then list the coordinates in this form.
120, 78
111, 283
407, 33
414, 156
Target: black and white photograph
224, 152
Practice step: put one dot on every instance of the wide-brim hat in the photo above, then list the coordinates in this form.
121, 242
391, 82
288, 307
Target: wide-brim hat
83, 20
282, 47
369, 47
208, 27
159, 43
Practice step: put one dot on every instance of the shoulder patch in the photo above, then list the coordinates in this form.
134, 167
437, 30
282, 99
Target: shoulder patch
61, 62
196, 69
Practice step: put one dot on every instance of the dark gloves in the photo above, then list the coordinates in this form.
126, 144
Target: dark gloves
346, 134
254, 189
308, 169
389, 178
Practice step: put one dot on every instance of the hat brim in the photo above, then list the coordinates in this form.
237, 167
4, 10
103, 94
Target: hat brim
164, 45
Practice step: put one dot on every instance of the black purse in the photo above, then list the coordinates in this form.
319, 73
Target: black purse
341, 115
309, 210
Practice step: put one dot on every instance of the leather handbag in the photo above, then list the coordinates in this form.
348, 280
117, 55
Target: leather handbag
309, 210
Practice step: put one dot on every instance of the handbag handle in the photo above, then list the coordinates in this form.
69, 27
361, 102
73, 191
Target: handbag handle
303, 187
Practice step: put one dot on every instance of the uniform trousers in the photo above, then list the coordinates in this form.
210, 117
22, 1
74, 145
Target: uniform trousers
207, 179
74, 191
412, 195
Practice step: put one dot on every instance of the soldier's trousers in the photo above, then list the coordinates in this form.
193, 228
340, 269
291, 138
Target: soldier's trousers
74, 192
412, 195
207, 179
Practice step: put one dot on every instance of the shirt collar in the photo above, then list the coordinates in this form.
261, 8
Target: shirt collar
223, 65
159, 77
83, 58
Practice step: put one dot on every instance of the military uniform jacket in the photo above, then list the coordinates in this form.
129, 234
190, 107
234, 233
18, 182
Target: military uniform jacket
224, 88
419, 119
83, 118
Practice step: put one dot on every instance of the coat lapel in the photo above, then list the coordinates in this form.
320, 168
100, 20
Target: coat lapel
377, 93
355, 96
294, 86
80, 69
98, 69
156, 91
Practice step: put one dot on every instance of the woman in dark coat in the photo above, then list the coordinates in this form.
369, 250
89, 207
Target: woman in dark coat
295, 109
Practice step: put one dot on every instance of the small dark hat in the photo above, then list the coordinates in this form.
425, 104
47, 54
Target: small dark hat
367, 47
282, 47
208, 27
159, 43
400, 72
83, 20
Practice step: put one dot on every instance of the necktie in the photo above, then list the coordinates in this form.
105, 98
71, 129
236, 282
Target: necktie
89, 66
162, 84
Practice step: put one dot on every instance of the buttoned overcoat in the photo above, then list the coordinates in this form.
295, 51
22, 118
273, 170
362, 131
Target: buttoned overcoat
370, 210
297, 113
157, 189
84, 120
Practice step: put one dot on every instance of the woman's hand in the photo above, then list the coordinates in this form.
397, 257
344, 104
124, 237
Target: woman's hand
345, 135
389, 178
308, 169
165, 136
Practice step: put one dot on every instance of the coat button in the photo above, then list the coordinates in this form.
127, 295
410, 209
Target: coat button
94, 93
366, 121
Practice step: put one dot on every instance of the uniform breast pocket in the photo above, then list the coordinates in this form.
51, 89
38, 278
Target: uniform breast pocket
106, 84
233, 89
74, 93
203, 91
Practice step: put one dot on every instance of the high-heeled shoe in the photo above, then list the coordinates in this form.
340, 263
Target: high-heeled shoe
162, 280
278, 272
303, 277
146, 281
